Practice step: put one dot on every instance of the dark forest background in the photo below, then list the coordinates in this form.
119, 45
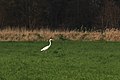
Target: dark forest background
60, 14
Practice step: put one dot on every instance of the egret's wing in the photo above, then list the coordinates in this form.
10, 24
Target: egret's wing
45, 48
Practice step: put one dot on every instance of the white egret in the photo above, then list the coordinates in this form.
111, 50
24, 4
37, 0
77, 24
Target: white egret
47, 47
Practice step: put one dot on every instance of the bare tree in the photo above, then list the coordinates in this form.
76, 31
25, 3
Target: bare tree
110, 15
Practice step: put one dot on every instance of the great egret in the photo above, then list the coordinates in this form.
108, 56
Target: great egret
47, 47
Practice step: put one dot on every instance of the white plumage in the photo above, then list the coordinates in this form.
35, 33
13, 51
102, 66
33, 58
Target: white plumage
47, 47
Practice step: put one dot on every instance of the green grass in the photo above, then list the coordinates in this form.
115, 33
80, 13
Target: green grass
65, 60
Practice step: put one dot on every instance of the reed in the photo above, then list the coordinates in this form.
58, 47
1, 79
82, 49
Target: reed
44, 34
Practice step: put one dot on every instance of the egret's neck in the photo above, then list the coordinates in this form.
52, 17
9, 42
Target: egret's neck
50, 42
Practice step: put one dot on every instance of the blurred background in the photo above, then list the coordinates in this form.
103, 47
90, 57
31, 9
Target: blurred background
60, 14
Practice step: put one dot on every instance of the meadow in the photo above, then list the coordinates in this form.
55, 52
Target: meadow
65, 60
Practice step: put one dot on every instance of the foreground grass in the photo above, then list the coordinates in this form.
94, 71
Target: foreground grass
65, 60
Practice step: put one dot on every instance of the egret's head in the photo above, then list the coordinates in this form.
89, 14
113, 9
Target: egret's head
50, 39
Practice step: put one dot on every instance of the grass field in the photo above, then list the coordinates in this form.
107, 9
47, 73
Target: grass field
65, 60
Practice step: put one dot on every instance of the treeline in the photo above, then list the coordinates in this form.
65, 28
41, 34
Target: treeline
60, 14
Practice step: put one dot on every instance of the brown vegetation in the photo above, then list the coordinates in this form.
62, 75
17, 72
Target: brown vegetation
45, 34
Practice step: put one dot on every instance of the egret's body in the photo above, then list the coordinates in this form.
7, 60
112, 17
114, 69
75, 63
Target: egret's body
47, 47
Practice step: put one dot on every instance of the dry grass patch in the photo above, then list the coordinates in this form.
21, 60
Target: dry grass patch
45, 34
112, 35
